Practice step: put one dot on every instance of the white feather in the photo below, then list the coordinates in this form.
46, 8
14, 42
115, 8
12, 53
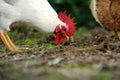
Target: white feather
38, 12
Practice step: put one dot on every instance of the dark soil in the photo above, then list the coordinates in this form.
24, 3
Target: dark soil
93, 56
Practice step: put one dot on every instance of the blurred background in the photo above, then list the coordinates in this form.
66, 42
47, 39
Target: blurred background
78, 9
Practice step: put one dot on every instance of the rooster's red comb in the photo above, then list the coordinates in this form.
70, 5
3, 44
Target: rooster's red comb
69, 21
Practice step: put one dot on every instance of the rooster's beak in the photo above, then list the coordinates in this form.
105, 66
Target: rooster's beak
67, 38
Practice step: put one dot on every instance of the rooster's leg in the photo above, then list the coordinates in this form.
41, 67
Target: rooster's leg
117, 34
7, 41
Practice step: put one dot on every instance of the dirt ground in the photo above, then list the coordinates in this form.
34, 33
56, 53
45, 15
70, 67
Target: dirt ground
92, 56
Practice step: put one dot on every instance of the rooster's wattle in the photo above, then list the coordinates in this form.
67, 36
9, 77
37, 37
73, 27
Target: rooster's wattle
37, 12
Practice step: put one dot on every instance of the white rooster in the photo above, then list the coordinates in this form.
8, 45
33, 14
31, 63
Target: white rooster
37, 12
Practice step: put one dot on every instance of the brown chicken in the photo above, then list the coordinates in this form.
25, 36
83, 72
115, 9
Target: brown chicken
107, 13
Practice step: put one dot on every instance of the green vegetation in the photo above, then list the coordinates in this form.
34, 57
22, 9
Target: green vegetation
103, 76
30, 41
78, 9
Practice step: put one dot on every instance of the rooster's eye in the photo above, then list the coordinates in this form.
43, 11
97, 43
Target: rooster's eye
64, 29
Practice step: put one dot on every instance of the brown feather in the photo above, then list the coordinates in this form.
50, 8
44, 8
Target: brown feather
108, 13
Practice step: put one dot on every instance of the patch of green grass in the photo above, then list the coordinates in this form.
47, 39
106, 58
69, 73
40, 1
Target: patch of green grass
48, 46
78, 67
55, 77
103, 76
80, 31
82, 47
68, 67
30, 41
13, 33
4, 66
